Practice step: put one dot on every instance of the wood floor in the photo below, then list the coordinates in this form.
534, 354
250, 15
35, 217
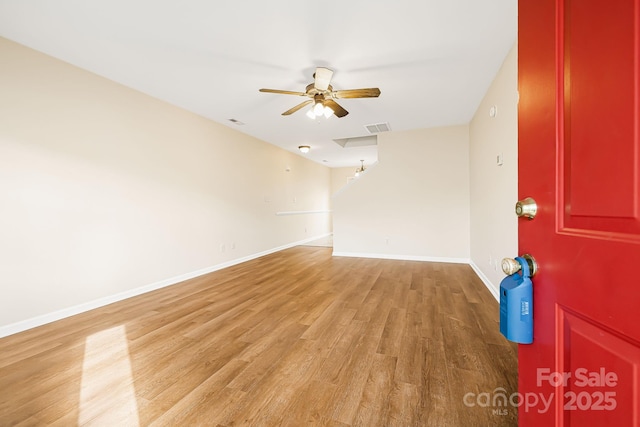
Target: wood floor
295, 338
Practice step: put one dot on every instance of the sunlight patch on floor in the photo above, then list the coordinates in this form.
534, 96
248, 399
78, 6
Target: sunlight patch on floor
107, 395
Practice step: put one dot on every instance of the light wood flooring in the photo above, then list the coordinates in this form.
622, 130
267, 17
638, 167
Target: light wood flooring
295, 338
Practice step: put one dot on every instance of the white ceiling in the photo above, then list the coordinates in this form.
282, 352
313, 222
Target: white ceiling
433, 60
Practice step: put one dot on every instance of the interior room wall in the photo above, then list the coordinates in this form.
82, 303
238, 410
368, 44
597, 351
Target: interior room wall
107, 192
494, 188
341, 177
414, 204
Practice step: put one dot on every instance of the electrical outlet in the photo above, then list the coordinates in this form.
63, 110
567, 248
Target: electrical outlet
233, 245
223, 248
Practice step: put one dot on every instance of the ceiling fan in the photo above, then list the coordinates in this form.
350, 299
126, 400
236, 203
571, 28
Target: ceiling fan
322, 95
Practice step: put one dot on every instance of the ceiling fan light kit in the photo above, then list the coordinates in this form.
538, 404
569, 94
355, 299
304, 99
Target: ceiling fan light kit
322, 96
319, 110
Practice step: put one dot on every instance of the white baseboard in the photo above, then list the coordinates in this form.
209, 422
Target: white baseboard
34, 322
402, 257
495, 290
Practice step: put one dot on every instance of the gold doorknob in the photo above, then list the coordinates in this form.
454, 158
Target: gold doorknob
527, 208
511, 266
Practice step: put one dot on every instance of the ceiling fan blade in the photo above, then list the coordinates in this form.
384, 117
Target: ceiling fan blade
297, 107
322, 78
372, 92
337, 109
283, 92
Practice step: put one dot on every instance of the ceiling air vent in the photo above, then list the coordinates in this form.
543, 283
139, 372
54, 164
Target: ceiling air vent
377, 127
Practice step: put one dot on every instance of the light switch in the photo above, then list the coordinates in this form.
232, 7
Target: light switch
499, 159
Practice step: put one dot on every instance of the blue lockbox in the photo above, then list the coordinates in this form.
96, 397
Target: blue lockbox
516, 305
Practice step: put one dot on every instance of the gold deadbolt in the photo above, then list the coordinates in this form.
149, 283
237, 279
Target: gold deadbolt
511, 266
527, 208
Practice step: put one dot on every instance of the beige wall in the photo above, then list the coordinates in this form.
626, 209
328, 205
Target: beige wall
494, 189
414, 204
106, 192
340, 177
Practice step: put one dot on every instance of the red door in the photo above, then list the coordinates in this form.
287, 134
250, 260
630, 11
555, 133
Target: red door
579, 158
